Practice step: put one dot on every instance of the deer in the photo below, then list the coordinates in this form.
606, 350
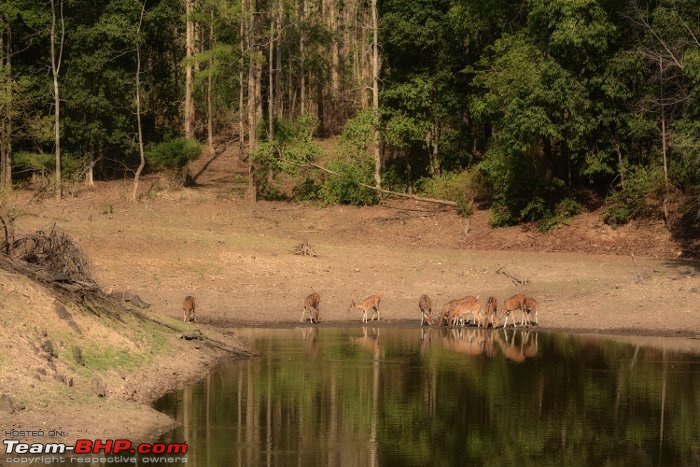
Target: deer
531, 309
490, 312
188, 309
516, 302
426, 309
448, 307
311, 307
468, 306
369, 303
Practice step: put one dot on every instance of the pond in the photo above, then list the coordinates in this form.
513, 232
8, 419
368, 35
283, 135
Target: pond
439, 397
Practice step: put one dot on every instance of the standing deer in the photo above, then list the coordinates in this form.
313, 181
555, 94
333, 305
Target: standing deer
449, 307
188, 309
369, 303
467, 307
426, 309
311, 307
531, 309
516, 302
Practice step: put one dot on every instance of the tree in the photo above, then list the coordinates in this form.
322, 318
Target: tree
56, 60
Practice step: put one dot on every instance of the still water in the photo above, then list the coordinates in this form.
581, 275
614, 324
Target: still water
437, 397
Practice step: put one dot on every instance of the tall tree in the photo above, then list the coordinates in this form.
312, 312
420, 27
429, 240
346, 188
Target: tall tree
56, 60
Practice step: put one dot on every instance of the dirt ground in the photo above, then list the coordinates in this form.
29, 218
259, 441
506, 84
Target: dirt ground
236, 258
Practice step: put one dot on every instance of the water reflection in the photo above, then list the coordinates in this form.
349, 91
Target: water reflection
391, 397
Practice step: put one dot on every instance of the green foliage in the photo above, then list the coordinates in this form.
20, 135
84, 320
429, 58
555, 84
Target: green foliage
346, 189
461, 187
173, 154
641, 196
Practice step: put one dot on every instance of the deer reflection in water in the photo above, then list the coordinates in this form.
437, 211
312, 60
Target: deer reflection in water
309, 335
474, 341
369, 342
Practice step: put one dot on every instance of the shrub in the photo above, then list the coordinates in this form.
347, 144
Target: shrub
642, 195
173, 154
346, 189
464, 188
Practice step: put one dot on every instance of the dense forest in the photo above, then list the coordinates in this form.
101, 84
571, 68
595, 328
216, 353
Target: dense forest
535, 109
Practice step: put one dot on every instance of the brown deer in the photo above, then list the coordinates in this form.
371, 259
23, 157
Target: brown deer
490, 312
448, 308
531, 309
467, 307
311, 307
188, 308
516, 302
369, 303
426, 309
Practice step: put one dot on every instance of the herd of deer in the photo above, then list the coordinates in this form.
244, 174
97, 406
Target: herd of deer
459, 312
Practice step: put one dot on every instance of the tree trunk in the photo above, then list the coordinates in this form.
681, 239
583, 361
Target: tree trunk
6, 110
620, 162
56, 58
271, 77
252, 105
375, 98
302, 74
138, 106
279, 104
189, 80
210, 85
241, 77
663, 144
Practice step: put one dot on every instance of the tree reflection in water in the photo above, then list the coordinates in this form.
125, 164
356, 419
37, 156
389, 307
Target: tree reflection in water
382, 396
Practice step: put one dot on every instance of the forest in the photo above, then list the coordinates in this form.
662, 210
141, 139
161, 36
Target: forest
536, 110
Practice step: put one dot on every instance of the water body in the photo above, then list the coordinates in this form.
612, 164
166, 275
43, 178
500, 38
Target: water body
395, 397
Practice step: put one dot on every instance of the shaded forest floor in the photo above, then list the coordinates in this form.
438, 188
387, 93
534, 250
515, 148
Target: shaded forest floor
237, 259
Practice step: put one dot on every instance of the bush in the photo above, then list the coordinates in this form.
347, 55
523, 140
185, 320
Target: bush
464, 188
173, 154
346, 189
642, 195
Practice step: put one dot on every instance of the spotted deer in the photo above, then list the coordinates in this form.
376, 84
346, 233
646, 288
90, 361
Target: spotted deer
448, 308
491, 312
531, 309
468, 307
311, 307
188, 309
516, 302
369, 303
426, 309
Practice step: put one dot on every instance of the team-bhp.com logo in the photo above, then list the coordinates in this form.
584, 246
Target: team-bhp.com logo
86, 446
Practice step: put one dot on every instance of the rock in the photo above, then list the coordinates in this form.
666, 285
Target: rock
78, 356
98, 387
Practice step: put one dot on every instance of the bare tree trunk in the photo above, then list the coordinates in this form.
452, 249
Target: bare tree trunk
90, 173
210, 85
302, 74
375, 98
252, 105
56, 58
364, 62
189, 81
6, 110
278, 64
271, 77
663, 143
620, 162
241, 77
138, 106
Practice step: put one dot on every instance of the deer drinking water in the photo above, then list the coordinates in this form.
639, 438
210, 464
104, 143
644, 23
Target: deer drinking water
468, 307
369, 303
531, 309
311, 307
188, 309
516, 302
448, 308
426, 309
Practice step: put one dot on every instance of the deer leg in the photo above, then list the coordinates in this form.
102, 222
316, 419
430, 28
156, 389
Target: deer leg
302, 315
